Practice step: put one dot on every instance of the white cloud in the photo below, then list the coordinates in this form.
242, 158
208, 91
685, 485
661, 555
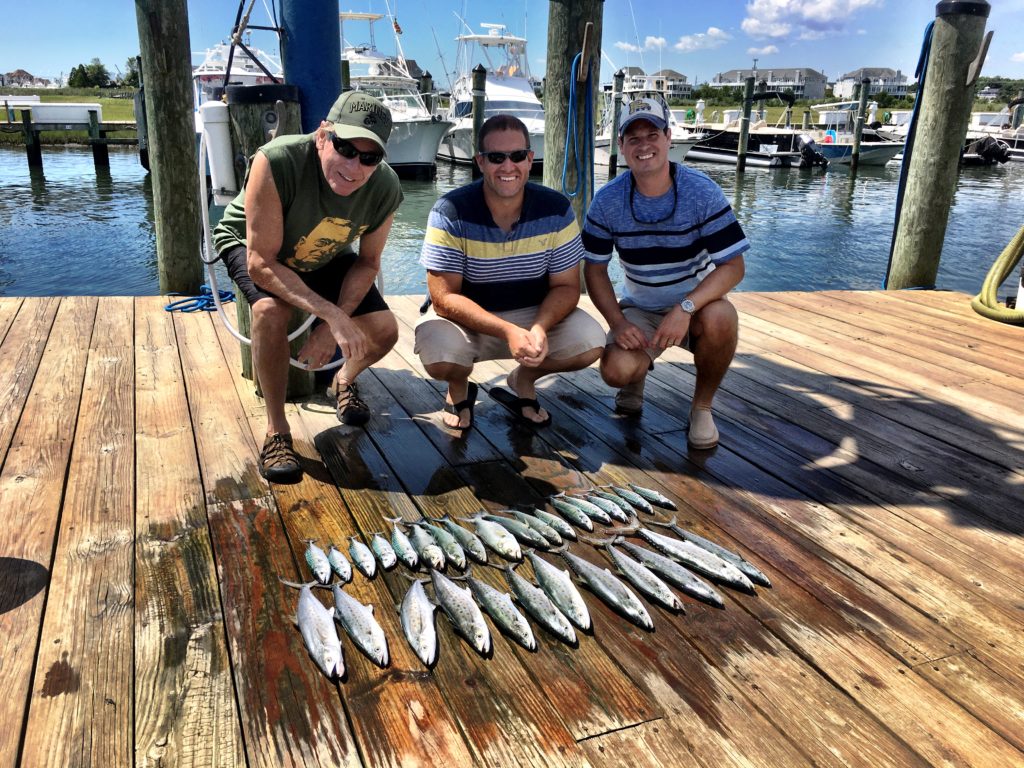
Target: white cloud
1017, 56
807, 19
628, 47
653, 43
702, 41
766, 51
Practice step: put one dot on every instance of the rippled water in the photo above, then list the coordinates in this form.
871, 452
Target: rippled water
70, 230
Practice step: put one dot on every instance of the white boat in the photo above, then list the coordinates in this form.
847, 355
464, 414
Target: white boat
509, 91
767, 146
211, 76
835, 138
415, 133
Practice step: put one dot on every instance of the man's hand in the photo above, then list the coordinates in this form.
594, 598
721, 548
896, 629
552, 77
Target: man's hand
628, 336
674, 327
348, 336
528, 347
319, 347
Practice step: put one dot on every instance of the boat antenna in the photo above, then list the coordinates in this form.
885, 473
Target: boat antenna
440, 55
469, 29
636, 34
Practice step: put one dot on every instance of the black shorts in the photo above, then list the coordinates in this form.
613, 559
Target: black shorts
325, 282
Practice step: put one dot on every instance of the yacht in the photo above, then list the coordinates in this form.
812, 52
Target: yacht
509, 91
415, 133
249, 66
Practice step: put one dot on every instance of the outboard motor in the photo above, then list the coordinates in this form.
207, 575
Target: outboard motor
990, 150
809, 155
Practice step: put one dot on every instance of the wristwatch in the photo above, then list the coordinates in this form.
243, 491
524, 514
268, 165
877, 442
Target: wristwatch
687, 306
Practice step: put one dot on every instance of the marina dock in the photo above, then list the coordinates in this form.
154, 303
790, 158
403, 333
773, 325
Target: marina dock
871, 464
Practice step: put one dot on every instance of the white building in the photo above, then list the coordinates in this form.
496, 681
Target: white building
882, 80
802, 82
989, 93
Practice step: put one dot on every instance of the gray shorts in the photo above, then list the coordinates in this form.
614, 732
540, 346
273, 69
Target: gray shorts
441, 341
648, 320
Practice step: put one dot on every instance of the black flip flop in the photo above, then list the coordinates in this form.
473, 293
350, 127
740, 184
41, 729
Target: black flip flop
462, 405
516, 404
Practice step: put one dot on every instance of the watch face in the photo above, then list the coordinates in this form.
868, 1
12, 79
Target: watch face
687, 306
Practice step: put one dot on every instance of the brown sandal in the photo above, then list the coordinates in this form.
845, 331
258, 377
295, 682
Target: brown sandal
351, 409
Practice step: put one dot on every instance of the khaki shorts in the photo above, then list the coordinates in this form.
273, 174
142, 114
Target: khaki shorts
648, 320
441, 341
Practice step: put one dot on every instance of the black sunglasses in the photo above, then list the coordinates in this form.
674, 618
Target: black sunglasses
497, 158
348, 150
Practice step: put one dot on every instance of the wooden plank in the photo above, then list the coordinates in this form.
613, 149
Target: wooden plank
289, 711
31, 486
80, 713
185, 711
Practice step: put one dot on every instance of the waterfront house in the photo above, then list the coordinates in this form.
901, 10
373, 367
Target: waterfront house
882, 80
802, 82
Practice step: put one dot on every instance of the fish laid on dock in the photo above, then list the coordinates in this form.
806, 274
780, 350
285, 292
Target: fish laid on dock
453, 551
654, 497
469, 541
362, 557
463, 612
614, 510
551, 536
558, 585
699, 560
645, 580
572, 513
500, 607
750, 570
339, 564
564, 529
496, 537
426, 547
634, 498
400, 543
675, 574
610, 588
590, 509
524, 534
360, 625
615, 499
536, 603
384, 551
417, 614
317, 561
316, 625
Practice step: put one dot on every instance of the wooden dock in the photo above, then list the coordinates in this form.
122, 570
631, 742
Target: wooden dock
872, 464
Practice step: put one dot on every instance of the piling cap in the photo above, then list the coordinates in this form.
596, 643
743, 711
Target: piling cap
643, 108
357, 115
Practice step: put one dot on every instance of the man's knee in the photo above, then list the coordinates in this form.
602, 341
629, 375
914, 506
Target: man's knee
718, 322
445, 371
271, 315
619, 368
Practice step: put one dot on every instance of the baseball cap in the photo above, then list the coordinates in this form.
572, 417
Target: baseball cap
357, 115
643, 108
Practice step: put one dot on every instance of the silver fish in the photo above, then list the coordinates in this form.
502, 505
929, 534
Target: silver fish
551, 536
426, 547
558, 585
643, 579
382, 549
699, 560
750, 570
539, 605
676, 574
362, 556
654, 497
316, 625
317, 561
458, 603
615, 499
417, 615
609, 588
614, 510
470, 541
591, 510
524, 534
402, 546
499, 606
339, 564
361, 626
564, 529
453, 551
497, 537
572, 513
634, 498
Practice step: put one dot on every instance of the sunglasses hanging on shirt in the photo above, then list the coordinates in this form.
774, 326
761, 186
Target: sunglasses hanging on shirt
675, 198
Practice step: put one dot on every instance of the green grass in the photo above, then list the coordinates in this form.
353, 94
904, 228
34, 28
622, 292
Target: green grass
113, 109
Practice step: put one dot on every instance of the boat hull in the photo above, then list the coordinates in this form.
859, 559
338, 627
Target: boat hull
457, 145
871, 153
413, 147
755, 159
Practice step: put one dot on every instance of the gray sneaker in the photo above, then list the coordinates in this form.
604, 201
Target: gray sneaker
703, 433
630, 399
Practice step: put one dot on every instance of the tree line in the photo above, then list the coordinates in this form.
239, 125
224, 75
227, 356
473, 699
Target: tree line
96, 75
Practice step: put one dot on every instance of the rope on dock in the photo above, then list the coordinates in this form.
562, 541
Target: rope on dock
986, 303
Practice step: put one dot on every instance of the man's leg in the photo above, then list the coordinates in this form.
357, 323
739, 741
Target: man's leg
447, 351
381, 331
523, 380
714, 334
457, 378
626, 370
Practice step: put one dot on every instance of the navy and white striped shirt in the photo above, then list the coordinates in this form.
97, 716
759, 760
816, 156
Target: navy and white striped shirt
664, 261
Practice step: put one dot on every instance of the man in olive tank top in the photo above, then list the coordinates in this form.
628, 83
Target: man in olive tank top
288, 240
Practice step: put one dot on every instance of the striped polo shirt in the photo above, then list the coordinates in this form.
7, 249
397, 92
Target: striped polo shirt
666, 244
502, 270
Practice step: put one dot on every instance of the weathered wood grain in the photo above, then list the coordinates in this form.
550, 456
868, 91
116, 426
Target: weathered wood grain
82, 697
184, 701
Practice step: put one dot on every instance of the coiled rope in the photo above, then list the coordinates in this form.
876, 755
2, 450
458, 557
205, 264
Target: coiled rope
986, 303
202, 303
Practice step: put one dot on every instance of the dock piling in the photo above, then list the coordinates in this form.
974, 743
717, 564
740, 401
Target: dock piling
858, 130
748, 103
479, 99
613, 135
33, 149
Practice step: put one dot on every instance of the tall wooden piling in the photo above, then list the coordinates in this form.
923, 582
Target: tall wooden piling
479, 105
858, 131
100, 153
807, 119
942, 127
166, 56
567, 29
613, 131
748, 103
33, 148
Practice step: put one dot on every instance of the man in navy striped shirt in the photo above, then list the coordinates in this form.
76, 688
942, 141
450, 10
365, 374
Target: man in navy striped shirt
503, 270
680, 248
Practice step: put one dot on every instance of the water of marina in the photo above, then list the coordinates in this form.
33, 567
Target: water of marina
69, 230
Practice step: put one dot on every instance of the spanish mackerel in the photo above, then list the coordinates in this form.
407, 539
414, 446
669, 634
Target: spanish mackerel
316, 625
453, 551
609, 588
643, 579
654, 497
361, 626
564, 529
675, 573
496, 537
499, 606
589, 508
524, 534
339, 564
317, 561
572, 513
401, 544
462, 610
614, 510
417, 615
557, 584
470, 541
615, 499
700, 560
362, 556
383, 550
750, 570
634, 498
539, 605
426, 547
551, 536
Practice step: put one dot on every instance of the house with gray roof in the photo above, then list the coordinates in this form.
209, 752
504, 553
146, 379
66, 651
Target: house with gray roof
881, 80
802, 82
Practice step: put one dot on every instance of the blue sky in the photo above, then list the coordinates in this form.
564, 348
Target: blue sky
698, 39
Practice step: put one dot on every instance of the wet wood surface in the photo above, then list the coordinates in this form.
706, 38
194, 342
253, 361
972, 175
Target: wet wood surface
871, 463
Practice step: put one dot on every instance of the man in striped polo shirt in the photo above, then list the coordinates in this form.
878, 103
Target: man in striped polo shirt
503, 270
680, 248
